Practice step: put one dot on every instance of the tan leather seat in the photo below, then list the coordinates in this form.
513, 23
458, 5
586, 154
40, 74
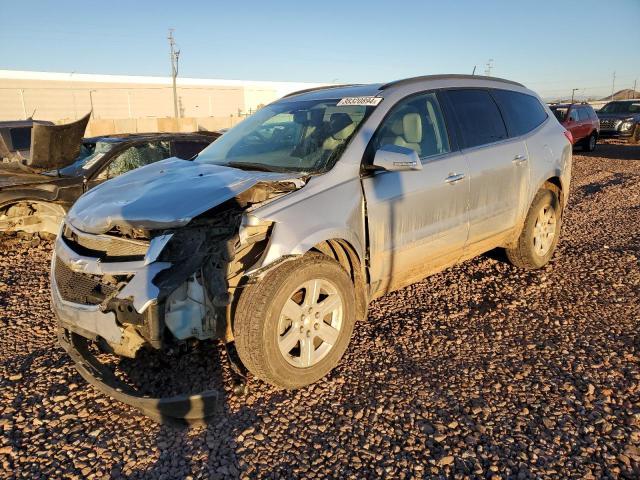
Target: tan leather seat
408, 131
342, 127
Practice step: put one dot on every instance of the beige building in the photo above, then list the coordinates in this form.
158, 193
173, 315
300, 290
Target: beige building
134, 103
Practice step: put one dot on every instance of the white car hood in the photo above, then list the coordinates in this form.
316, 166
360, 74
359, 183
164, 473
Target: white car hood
165, 194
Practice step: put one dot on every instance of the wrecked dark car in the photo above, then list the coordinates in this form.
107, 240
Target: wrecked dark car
278, 235
34, 197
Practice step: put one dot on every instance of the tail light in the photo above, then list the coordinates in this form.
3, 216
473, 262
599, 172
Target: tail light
567, 134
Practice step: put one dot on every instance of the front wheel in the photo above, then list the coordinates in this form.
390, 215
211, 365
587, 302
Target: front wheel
293, 326
540, 233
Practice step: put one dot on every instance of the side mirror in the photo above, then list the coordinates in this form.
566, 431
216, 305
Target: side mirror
393, 158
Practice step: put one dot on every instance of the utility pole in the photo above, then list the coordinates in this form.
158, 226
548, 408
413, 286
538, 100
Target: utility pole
488, 67
634, 88
613, 85
174, 55
573, 91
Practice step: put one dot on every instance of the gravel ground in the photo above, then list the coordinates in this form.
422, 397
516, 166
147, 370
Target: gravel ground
482, 371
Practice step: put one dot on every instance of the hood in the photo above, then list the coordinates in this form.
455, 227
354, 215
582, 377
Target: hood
165, 194
617, 116
56, 146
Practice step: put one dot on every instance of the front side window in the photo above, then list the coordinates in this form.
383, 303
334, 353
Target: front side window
416, 123
574, 115
298, 136
522, 112
90, 154
586, 113
135, 157
479, 118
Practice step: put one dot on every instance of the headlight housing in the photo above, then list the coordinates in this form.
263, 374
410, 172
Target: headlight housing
626, 125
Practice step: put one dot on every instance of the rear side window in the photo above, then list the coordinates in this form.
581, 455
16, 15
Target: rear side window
478, 116
522, 112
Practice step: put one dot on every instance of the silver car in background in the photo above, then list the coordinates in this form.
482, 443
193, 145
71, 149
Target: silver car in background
279, 235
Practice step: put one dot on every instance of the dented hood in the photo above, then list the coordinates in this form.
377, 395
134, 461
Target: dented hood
163, 195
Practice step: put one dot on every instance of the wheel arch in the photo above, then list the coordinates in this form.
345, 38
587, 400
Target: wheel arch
345, 254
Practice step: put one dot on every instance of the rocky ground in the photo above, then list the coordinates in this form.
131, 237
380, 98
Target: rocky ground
482, 371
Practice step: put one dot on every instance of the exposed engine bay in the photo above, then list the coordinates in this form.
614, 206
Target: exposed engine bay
156, 288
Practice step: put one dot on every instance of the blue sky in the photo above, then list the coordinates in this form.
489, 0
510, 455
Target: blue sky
551, 46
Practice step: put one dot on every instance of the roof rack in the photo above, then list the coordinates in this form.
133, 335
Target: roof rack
447, 76
325, 87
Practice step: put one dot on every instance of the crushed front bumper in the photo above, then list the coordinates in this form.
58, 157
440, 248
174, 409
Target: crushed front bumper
190, 409
78, 324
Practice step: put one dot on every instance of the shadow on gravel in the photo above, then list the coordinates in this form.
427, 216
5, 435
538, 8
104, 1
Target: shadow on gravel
613, 151
595, 187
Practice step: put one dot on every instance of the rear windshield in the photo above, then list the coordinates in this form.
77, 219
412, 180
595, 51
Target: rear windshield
560, 113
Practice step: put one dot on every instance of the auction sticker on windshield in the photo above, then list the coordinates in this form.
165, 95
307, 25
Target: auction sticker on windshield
366, 101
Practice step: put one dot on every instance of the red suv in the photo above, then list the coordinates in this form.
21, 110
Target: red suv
581, 120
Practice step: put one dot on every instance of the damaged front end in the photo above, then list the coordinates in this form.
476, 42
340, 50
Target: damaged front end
133, 287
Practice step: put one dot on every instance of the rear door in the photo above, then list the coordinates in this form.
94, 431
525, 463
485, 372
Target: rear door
574, 124
498, 167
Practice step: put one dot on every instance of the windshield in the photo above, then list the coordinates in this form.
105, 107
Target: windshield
621, 107
560, 113
303, 136
90, 154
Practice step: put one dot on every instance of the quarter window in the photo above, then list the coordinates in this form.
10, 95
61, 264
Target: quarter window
416, 123
522, 112
478, 116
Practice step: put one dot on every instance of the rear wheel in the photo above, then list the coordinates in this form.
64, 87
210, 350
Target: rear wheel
540, 233
590, 142
293, 327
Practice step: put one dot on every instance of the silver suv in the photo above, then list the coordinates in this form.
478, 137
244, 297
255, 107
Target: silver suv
277, 236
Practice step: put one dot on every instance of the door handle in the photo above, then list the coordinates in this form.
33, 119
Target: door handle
518, 159
454, 178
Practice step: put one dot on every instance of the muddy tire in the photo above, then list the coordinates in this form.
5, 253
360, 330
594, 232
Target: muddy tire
590, 142
292, 327
540, 233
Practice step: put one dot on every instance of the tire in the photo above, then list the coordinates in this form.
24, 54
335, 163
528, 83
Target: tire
590, 142
529, 253
261, 327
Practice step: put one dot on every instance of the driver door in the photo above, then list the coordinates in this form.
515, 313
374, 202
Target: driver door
417, 220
